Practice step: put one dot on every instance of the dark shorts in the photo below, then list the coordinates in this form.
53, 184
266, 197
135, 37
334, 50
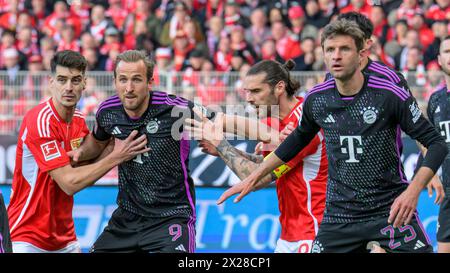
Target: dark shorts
128, 232
5, 238
354, 237
443, 230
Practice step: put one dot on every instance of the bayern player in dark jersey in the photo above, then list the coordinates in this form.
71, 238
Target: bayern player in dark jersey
368, 198
367, 65
156, 199
438, 111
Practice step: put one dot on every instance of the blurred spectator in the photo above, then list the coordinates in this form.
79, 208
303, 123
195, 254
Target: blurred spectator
233, 17
68, 41
26, 21
412, 40
275, 15
381, 28
328, 7
239, 44
111, 59
400, 30
314, 15
99, 23
425, 33
182, 48
11, 66
269, 51
214, 8
319, 63
414, 70
237, 94
136, 23
61, 16
163, 57
88, 42
195, 62
34, 81
297, 20
39, 12
237, 61
47, 58
8, 20
440, 31
223, 55
80, 9
93, 60
258, 32
377, 53
210, 88
47, 44
117, 13
25, 44
360, 6
305, 61
215, 26
195, 37
408, 9
287, 46
176, 24
439, 11
92, 97
111, 39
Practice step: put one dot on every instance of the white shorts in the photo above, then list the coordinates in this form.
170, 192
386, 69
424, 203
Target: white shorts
293, 247
23, 247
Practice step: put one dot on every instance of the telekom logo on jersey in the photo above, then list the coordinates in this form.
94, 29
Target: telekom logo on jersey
351, 142
445, 126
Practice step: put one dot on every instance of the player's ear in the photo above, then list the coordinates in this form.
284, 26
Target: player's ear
280, 88
439, 60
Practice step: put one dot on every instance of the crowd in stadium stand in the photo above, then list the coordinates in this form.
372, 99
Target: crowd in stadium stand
211, 35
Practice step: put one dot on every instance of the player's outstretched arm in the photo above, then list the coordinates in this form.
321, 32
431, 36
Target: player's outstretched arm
71, 180
213, 141
251, 129
90, 149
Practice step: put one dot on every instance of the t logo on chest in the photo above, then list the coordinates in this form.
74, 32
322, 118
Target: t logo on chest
351, 147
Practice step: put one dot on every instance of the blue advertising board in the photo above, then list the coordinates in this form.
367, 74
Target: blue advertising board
251, 226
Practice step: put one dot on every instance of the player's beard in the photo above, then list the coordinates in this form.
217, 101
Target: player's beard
347, 75
136, 104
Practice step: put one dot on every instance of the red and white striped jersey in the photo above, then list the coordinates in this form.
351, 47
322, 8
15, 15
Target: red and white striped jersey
301, 191
40, 213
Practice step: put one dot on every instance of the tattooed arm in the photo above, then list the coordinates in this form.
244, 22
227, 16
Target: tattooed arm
242, 163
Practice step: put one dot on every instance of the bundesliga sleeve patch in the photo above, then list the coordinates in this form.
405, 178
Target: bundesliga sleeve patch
50, 150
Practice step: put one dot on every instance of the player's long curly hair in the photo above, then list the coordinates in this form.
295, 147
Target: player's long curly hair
276, 72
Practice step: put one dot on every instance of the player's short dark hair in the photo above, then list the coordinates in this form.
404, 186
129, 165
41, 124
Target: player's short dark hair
276, 72
344, 27
361, 20
133, 56
69, 59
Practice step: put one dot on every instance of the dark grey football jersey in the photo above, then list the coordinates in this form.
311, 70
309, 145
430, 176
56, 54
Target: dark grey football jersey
157, 183
363, 142
439, 114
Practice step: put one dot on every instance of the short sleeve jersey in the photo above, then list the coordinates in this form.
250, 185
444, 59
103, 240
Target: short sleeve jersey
40, 213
